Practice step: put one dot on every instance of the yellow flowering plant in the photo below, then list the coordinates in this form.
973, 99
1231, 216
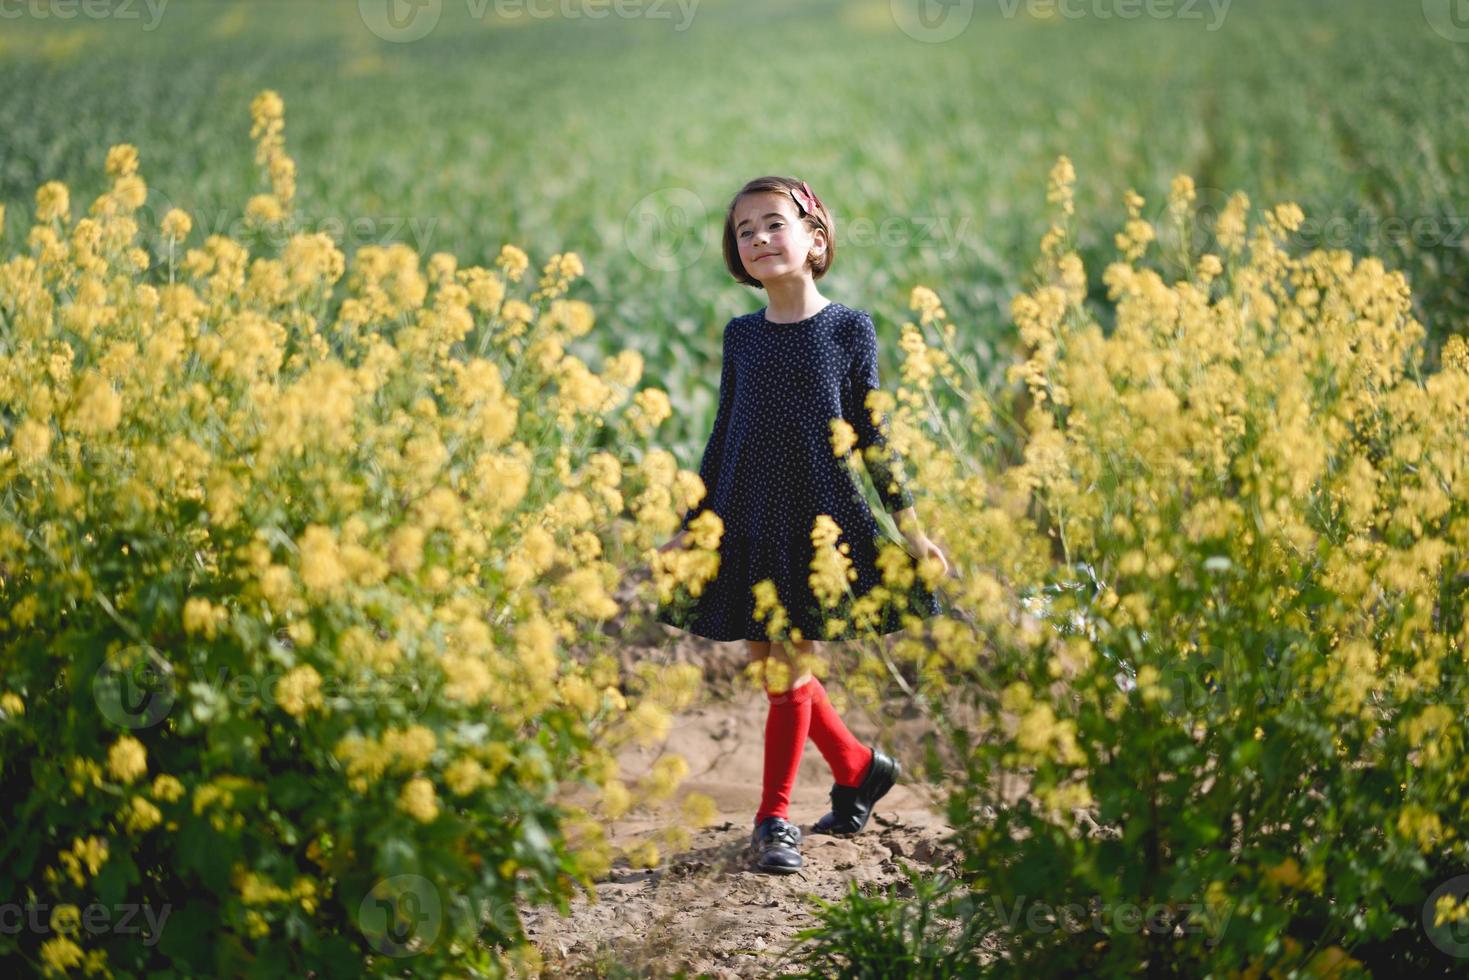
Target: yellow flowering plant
1220, 578
302, 607
1201, 681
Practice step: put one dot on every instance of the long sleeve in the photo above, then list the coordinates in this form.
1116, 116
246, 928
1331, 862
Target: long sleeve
714, 450
883, 463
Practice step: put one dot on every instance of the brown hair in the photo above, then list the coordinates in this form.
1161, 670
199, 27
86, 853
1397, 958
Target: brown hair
820, 218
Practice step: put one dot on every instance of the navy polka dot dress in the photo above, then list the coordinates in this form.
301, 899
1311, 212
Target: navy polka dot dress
769, 470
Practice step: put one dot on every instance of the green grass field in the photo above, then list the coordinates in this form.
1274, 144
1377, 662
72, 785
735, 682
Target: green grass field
623, 137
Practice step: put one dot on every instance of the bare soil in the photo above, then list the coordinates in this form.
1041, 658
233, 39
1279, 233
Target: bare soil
706, 910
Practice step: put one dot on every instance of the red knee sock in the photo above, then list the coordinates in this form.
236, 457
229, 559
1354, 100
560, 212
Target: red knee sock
786, 728
847, 757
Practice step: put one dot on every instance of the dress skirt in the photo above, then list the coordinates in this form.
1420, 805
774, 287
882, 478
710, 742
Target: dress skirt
725, 609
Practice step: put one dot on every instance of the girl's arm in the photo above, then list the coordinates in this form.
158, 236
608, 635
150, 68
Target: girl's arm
883, 463
714, 450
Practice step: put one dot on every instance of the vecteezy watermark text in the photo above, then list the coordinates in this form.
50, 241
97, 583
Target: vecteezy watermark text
401, 21
1096, 915
149, 11
123, 919
1211, 11
935, 21
405, 914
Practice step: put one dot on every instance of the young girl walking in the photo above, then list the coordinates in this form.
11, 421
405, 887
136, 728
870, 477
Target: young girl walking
769, 471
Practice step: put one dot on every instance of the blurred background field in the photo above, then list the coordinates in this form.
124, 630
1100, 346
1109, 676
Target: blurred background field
622, 137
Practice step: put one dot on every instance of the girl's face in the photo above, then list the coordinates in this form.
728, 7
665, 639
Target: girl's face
774, 241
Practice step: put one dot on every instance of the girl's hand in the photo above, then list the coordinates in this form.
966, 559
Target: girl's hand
674, 542
920, 546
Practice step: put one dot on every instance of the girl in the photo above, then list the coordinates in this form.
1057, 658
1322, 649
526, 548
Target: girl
770, 471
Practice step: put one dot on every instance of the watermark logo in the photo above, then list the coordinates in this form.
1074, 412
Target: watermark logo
134, 687
401, 915
1452, 936
400, 21
932, 21
665, 230
1199, 228
1448, 18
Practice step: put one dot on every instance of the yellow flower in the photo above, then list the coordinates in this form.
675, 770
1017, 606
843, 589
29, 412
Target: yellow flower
98, 407
321, 560
1149, 684
66, 919
927, 302
405, 549
513, 261
127, 759
60, 954
1449, 909
256, 890
699, 809
299, 690
666, 775
141, 815
486, 290
91, 853
1063, 177
122, 160
464, 775
201, 618
1420, 826
1229, 228
1287, 217
176, 225
1073, 277
649, 722
52, 201
418, 800
130, 192
651, 408
410, 748
32, 441
276, 586
831, 568
616, 800
167, 788
843, 437
644, 855
1287, 873
516, 311
264, 209
1181, 194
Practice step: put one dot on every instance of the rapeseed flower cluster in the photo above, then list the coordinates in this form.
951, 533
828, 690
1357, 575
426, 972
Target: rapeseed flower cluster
339, 521
1218, 570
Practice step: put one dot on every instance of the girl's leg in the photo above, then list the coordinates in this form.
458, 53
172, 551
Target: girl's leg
787, 725
787, 664
847, 757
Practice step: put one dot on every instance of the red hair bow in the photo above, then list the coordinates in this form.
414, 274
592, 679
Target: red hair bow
806, 198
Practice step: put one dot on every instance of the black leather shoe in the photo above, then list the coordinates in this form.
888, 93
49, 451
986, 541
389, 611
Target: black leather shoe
776, 838
852, 805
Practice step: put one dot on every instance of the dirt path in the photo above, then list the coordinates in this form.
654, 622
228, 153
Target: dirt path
705, 909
